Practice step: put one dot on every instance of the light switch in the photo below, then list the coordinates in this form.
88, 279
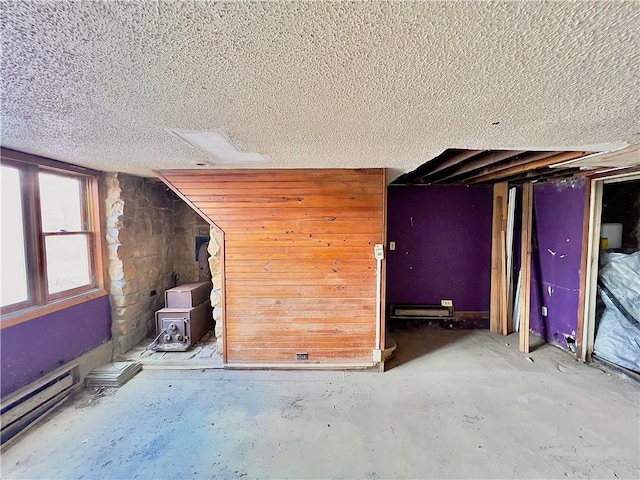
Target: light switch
392, 245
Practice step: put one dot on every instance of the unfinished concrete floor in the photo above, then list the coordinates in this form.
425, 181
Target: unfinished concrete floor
201, 355
459, 404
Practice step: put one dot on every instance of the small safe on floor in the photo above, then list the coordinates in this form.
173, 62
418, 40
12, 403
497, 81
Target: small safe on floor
185, 319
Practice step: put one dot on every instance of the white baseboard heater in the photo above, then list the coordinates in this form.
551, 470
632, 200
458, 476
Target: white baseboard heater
21, 409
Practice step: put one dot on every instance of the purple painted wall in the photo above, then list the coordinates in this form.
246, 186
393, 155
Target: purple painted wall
32, 349
443, 245
555, 273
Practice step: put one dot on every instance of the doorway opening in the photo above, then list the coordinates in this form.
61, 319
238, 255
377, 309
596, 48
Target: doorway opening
611, 321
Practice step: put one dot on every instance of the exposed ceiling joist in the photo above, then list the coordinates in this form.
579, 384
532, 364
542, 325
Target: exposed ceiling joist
490, 166
446, 159
527, 167
519, 157
480, 160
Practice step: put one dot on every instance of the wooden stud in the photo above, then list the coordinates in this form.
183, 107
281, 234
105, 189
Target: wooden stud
511, 207
525, 292
584, 260
500, 191
503, 284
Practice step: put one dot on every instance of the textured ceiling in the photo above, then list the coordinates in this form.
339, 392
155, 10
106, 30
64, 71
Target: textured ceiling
318, 84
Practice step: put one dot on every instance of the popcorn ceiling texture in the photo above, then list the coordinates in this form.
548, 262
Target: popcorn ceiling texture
324, 84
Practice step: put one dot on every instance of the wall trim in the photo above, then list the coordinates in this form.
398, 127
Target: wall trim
306, 366
21, 316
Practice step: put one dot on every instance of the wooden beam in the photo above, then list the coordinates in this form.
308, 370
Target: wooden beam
446, 159
500, 192
503, 173
482, 160
584, 265
503, 283
485, 163
511, 209
525, 291
460, 157
521, 159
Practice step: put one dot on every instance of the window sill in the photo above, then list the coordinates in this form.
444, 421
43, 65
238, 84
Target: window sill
15, 318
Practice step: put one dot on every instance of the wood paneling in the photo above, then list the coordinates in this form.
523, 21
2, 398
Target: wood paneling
300, 276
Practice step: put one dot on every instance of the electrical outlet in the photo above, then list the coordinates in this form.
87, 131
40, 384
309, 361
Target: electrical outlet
544, 311
392, 245
302, 356
446, 303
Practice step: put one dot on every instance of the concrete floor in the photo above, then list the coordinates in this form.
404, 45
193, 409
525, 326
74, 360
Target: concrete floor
458, 404
202, 355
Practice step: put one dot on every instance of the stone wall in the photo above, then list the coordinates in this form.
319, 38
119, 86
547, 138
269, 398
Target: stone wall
216, 243
150, 238
187, 226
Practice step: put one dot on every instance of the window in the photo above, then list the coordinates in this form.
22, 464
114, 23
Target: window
49, 243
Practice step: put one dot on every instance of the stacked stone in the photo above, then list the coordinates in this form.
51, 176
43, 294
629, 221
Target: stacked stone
150, 239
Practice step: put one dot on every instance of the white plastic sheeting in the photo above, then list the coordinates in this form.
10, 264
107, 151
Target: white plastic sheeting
618, 336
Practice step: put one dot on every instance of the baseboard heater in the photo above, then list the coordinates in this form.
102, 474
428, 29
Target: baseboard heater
21, 409
422, 312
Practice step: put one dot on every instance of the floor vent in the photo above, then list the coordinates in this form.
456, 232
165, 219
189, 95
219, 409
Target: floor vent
23, 408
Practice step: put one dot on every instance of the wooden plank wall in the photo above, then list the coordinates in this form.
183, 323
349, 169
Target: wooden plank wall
300, 276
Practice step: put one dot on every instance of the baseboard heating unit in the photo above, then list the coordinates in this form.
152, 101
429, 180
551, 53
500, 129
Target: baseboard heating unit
19, 410
443, 313
422, 312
